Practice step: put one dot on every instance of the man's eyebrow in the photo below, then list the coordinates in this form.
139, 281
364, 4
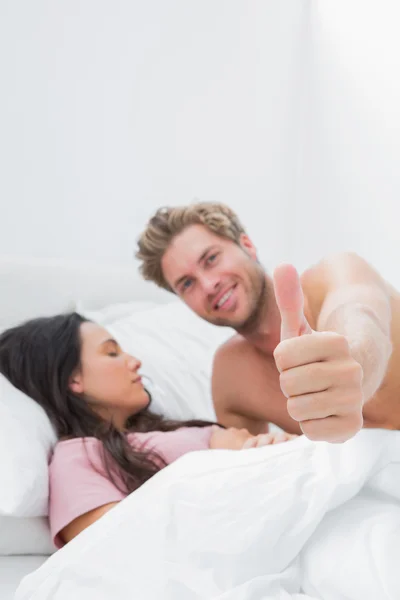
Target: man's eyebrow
199, 260
206, 251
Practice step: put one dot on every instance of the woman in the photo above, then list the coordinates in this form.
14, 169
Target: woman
110, 443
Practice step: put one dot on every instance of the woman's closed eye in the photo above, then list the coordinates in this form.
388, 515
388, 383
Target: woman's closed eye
111, 348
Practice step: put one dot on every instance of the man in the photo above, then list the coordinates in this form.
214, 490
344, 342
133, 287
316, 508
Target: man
316, 354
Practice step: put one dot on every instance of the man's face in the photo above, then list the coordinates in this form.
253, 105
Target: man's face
219, 280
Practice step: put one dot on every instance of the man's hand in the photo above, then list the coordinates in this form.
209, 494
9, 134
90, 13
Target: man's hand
319, 377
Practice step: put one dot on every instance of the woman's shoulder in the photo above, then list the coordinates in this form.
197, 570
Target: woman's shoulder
70, 441
69, 449
72, 438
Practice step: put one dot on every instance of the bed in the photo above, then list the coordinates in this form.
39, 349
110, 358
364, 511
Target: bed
298, 521
13, 569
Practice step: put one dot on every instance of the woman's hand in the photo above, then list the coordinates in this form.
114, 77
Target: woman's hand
266, 439
240, 439
228, 439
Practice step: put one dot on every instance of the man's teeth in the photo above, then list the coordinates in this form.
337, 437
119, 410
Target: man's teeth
225, 298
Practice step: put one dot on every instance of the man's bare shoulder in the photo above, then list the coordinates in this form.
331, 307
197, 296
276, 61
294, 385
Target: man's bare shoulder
331, 272
238, 364
233, 348
335, 265
245, 388
228, 385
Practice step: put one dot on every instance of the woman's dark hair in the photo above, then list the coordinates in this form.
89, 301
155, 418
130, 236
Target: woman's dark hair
39, 358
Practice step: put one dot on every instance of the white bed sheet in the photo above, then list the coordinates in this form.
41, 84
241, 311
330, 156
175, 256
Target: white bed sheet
263, 524
13, 569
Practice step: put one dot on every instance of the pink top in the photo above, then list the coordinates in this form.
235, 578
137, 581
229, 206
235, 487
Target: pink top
77, 488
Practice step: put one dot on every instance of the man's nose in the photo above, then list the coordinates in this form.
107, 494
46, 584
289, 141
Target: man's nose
210, 284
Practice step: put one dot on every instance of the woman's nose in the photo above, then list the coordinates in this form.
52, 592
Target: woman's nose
134, 364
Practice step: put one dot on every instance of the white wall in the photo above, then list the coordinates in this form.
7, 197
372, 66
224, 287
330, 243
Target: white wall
110, 109
288, 111
348, 177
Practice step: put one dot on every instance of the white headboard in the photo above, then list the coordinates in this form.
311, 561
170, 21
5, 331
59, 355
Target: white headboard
33, 287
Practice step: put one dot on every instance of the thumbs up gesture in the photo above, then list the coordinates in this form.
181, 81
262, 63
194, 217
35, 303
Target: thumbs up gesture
318, 376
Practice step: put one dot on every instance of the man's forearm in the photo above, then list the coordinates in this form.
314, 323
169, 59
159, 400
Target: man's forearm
368, 337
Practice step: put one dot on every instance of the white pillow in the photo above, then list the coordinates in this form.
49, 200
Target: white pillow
176, 348
109, 314
26, 440
19, 535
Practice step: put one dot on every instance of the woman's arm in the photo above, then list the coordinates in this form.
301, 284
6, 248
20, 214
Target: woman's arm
80, 523
241, 439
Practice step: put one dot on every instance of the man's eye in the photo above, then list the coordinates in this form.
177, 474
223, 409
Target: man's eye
186, 284
211, 258
113, 353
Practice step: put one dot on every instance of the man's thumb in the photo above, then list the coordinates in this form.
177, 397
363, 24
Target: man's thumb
290, 300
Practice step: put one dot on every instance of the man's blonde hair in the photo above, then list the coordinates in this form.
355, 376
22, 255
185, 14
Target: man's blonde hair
170, 221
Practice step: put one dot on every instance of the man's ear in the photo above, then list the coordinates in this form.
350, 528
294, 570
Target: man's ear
76, 383
248, 246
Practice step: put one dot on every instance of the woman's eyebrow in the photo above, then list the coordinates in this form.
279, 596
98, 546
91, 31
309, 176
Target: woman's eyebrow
109, 341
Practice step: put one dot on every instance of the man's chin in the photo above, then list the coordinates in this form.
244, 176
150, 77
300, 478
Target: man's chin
234, 321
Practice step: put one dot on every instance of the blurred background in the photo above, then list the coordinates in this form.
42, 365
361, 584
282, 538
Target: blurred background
288, 110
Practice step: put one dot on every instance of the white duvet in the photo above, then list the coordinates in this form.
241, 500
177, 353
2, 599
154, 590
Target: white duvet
296, 521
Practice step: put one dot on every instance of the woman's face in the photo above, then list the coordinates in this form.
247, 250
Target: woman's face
108, 378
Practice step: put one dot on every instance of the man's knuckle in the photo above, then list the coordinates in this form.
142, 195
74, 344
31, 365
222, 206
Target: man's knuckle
312, 431
351, 373
278, 357
340, 343
294, 409
285, 381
